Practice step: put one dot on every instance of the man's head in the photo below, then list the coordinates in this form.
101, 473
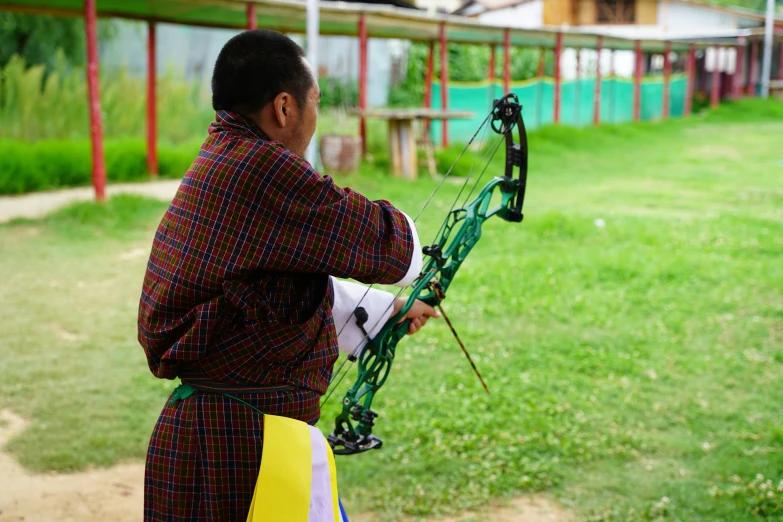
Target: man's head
264, 76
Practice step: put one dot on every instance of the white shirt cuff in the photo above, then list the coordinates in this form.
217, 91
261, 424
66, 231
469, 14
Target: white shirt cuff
416, 260
347, 296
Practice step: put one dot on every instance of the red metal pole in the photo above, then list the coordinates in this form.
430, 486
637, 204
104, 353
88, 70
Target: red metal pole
754, 57
780, 64
667, 76
152, 103
363, 80
558, 52
540, 84
491, 72
637, 84
578, 88
715, 87
613, 85
252, 21
739, 69
540, 68
96, 126
690, 71
597, 95
428, 77
444, 82
428, 84
506, 61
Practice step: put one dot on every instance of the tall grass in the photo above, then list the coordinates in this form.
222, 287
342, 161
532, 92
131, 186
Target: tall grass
38, 106
44, 124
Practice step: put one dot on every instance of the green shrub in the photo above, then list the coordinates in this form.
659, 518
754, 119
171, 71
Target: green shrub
467, 63
337, 93
34, 166
36, 104
174, 161
748, 109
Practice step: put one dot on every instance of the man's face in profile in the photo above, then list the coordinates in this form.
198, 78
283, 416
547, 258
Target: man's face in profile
304, 129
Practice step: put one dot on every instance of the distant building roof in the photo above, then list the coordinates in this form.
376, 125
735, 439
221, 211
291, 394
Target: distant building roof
396, 3
477, 7
733, 9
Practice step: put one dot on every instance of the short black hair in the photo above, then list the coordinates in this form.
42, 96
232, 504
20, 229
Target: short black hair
254, 67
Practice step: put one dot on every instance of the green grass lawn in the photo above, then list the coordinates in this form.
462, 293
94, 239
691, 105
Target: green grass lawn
627, 363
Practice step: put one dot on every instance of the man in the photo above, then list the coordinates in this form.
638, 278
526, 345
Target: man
238, 300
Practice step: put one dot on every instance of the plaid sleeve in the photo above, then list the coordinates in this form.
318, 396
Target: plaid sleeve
249, 221
282, 215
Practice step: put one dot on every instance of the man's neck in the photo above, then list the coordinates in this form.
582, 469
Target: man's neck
256, 120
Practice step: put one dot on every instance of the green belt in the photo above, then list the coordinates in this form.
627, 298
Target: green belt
183, 391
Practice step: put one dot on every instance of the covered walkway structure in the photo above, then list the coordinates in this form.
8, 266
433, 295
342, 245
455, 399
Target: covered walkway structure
380, 21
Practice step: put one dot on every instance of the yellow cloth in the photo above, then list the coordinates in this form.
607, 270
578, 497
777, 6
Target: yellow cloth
284, 484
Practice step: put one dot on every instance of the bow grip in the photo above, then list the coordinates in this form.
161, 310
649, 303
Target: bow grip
400, 330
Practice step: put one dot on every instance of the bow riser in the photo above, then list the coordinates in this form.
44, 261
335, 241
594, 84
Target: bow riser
472, 217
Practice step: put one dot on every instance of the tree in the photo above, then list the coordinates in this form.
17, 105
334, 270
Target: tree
467, 63
37, 38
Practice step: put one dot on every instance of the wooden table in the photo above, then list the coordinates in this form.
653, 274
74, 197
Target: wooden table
402, 135
776, 89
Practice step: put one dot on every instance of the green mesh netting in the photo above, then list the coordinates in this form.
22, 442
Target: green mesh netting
576, 102
677, 89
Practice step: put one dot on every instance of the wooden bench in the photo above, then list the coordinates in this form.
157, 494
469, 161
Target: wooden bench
776, 89
403, 141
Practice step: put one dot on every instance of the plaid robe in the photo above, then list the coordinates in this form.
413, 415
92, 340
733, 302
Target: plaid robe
237, 297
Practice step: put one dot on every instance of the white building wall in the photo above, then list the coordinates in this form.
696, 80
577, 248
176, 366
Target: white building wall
677, 17
529, 15
623, 63
445, 6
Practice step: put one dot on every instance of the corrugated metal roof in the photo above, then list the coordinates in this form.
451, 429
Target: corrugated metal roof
731, 9
336, 18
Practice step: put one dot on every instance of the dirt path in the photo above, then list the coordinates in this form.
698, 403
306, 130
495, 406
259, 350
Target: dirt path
108, 494
39, 204
116, 494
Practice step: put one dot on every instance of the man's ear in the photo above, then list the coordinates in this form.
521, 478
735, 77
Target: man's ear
283, 108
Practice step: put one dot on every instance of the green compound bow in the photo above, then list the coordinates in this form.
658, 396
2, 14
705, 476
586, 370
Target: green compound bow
456, 238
